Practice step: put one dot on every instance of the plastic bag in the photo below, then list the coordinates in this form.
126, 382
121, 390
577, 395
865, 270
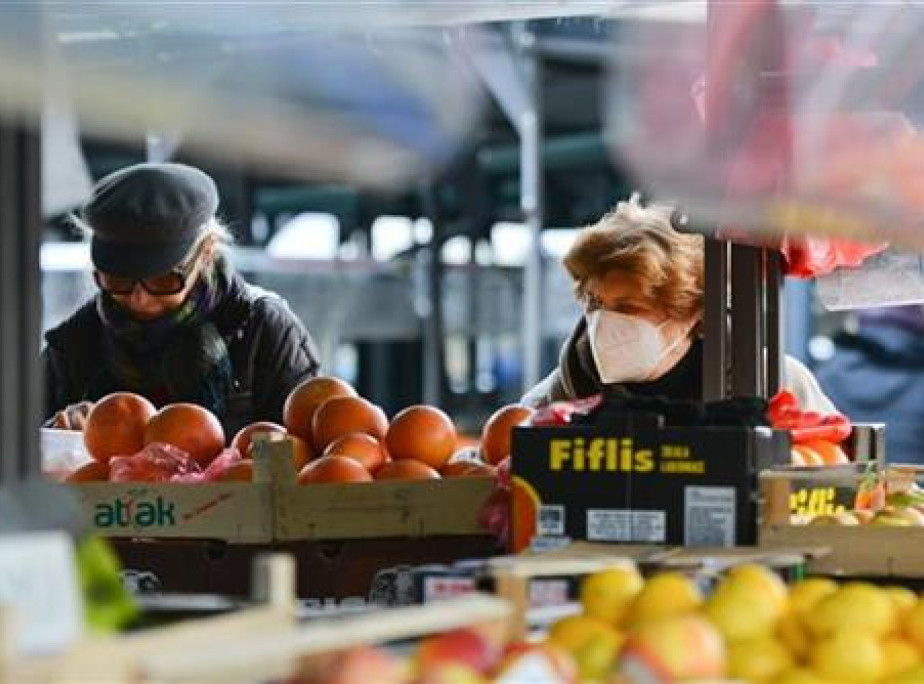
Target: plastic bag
784, 413
157, 462
810, 257
215, 470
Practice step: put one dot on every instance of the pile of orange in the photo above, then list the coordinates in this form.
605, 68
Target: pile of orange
818, 452
123, 423
337, 436
357, 443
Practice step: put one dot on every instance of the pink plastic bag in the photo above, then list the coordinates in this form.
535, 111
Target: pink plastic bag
157, 462
220, 465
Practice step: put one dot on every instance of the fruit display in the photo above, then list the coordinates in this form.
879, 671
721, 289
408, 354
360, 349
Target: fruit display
816, 438
881, 499
324, 421
749, 627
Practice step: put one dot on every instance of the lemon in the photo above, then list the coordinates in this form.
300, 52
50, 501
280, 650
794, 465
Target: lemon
793, 635
760, 579
848, 657
913, 624
913, 676
758, 659
855, 607
903, 600
900, 656
664, 595
607, 595
743, 612
805, 594
592, 643
799, 675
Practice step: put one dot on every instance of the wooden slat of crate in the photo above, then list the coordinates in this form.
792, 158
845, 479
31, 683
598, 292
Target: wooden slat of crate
265, 657
381, 509
863, 550
239, 512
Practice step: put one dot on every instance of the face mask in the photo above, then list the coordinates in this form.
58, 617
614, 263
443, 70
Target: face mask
627, 348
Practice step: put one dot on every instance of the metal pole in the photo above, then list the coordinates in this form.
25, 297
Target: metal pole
531, 205
20, 299
748, 321
715, 321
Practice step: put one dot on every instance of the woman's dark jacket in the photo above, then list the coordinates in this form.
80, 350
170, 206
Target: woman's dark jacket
270, 352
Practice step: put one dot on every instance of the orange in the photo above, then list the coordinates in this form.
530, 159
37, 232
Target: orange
115, 425
340, 416
421, 433
189, 427
242, 471
830, 453
94, 471
467, 469
810, 457
305, 399
333, 469
242, 439
497, 431
364, 449
524, 507
408, 469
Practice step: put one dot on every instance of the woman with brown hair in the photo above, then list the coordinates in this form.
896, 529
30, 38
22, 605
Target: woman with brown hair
641, 284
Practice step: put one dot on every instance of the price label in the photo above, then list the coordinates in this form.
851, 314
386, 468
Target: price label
38, 583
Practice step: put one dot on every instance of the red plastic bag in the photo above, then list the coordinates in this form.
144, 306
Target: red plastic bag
804, 426
219, 465
157, 462
560, 412
810, 257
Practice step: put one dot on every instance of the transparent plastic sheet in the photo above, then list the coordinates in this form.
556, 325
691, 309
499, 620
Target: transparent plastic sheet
276, 86
763, 117
892, 278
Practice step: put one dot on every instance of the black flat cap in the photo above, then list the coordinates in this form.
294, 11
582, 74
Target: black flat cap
145, 218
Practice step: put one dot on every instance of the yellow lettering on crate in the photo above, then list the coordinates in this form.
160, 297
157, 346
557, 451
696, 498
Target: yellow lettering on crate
599, 455
815, 501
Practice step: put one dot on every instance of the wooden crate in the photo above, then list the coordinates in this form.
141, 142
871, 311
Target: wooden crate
381, 509
236, 512
859, 550
275, 508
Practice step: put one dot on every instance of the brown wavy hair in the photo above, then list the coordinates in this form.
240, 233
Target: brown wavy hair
664, 266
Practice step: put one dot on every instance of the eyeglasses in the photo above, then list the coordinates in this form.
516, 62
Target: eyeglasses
166, 284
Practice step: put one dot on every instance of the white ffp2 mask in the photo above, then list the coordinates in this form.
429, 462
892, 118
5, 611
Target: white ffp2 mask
627, 348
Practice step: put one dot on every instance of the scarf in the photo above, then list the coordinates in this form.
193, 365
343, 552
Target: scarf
178, 357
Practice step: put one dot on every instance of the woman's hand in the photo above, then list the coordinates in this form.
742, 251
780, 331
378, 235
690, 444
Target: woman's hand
73, 417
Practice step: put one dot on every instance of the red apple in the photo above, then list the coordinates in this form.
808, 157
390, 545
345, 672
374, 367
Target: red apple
466, 646
676, 648
451, 673
358, 665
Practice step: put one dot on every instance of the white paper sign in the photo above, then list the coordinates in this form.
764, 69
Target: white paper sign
38, 580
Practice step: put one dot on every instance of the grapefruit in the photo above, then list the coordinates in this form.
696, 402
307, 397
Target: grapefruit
302, 402
406, 470
115, 425
333, 469
94, 471
524, 512
421, 433
467, 469
242, 440
363, 448
497, 431
189, 427
341, 416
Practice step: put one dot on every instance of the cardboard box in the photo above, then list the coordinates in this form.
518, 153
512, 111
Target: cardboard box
648, 485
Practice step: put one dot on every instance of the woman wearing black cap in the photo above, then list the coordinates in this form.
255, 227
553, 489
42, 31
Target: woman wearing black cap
172, 321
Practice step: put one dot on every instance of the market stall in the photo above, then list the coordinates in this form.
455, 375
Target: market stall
698, 513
